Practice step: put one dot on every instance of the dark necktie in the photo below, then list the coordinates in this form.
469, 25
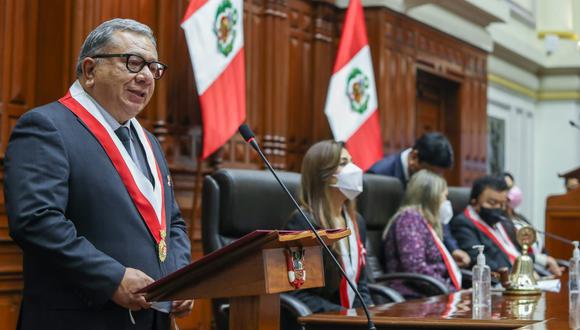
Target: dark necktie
124, 135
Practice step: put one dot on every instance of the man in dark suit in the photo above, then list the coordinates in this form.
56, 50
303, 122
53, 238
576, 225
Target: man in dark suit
432, 151
89, 195
484, 222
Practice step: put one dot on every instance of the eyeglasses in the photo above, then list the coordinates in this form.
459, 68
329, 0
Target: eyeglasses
136, 63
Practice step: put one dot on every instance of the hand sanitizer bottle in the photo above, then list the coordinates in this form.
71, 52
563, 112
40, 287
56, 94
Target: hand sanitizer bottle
574, 272
481, 286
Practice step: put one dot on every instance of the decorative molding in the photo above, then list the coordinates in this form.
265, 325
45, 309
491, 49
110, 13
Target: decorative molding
558, 95
541, 95
512, 85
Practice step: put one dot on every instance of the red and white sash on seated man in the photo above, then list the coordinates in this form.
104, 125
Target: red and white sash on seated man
497, 234
452, 268
149, 199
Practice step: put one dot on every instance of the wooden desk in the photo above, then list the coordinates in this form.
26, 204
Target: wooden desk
546, 312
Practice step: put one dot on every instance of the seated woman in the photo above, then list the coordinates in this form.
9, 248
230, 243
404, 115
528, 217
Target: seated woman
515, 198
413, 237
330, 184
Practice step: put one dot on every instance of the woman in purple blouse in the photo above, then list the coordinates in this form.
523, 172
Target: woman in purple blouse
412, 238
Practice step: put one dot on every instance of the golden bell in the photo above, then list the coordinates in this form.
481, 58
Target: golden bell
522, 281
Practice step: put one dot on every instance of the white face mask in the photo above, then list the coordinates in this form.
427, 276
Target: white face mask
445, 212
349, 181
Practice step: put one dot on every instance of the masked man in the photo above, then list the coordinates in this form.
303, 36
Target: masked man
484, 222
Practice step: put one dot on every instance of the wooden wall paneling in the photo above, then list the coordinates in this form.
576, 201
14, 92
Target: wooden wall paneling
54, 65
300, 84
380, 29
325, 44
393, 60
19, 63
275, 66
380, 33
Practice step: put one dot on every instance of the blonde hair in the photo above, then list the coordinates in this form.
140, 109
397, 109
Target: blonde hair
424, 195
318, 167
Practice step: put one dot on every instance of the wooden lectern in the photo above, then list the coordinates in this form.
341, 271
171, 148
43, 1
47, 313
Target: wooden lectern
252, 272
563, 219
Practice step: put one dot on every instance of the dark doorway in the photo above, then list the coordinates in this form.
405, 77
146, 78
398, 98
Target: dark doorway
437, 110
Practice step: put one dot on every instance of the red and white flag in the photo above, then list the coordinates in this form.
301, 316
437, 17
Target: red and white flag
351, 102
214, 33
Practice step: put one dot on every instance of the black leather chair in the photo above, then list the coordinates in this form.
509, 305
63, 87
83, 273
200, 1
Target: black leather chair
378, 202
236, 202
459, 198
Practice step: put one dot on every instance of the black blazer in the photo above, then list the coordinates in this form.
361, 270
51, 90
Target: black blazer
327, 298
390, 165
467, 235
77, 226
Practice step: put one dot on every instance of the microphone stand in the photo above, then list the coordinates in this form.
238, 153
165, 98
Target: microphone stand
248, 135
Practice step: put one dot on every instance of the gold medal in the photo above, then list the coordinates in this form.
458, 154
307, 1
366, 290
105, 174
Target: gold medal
162, 247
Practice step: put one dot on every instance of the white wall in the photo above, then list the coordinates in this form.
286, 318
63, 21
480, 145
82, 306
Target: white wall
540, 143
557, 146
518, 112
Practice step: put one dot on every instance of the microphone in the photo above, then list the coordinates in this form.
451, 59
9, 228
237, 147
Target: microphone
249, 137
554, 236
573, 124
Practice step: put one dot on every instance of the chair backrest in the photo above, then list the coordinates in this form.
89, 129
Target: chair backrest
459, 197
236, 202
377, 203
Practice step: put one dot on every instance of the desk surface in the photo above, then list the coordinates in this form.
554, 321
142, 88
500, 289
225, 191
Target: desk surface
548, 311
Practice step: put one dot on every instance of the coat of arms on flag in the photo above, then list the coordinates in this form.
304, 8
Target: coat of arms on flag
225, 22
357, 90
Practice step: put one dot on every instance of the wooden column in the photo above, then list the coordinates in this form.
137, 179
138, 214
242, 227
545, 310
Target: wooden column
262, 312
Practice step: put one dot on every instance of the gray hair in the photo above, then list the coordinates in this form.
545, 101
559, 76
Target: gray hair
102, 35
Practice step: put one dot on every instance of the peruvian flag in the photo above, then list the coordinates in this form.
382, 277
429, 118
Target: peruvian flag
214, 33
351, 102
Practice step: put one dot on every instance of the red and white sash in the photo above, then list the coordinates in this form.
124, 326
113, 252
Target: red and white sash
352, 262
450, 263
497, 234
148, 199
453, 301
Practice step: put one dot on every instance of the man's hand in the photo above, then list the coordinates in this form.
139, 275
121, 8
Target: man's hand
181, 308
133, 281
461, 258
553, 267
